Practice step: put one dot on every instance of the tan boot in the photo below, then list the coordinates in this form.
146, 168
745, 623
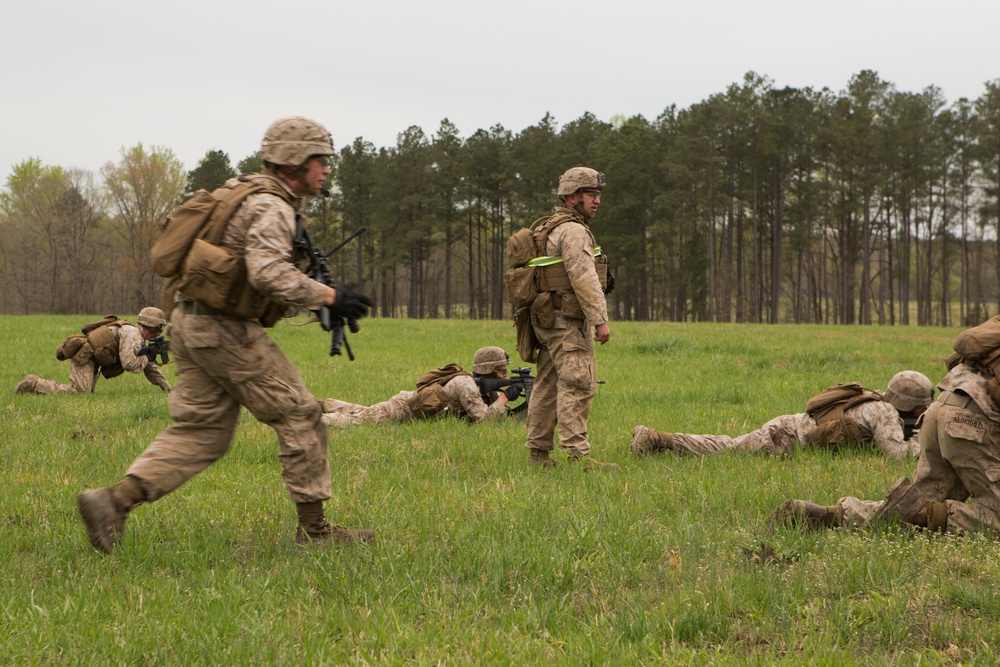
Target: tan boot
104, 512
313, 527
541, 458
590, 463
904, 503
647, 441
807, 514
27, 385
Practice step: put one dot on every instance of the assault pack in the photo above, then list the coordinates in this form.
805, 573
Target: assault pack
522, 280
430, 398
827, 408
980, 347
97, 341
189, 256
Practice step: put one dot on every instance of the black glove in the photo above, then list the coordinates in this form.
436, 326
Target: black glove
512, 393
350, 305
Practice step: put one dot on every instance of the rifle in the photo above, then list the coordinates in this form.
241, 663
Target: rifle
909, 427
156, 347
319, 270
521, 378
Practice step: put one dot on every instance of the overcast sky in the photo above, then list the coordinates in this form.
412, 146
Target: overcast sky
80, 81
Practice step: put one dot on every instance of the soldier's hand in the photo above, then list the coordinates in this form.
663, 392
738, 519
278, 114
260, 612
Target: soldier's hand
512, 393
351, 305
602, 333
144, 351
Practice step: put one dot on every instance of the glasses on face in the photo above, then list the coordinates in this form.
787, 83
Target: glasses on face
502, 370
593, 194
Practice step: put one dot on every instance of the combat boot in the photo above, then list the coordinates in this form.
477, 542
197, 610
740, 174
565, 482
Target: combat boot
905, 503
590, 463
104, 512
937, 516
27, 385
314, 528
541, 458
647, 441
807, 514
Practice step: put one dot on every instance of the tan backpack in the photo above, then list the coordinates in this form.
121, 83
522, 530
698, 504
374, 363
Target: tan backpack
188, 253
431, 398
827, 408
98, 341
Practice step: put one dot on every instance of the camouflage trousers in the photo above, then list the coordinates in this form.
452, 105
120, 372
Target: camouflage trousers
564, 388
959, 465
341, 413
224, 363
779, 436
82, 379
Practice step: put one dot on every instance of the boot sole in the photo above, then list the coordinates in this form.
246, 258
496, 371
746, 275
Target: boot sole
93, 510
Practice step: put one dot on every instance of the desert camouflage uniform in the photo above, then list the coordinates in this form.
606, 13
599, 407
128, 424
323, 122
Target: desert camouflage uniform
224, 363
783, 434
959, 456
566, 381
461, 390
83, 377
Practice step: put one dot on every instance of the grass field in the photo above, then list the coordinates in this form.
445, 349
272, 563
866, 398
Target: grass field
480, 558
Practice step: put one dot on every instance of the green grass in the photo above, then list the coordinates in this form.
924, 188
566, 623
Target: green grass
480, 558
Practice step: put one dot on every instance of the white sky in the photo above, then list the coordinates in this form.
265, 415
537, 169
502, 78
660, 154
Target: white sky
81, 80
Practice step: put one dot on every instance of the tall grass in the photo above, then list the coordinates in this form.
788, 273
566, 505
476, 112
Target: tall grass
481, 558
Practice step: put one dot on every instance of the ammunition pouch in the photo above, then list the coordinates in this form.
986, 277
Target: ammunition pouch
527, 342
70, 347
428, 401
217, 278
833, 433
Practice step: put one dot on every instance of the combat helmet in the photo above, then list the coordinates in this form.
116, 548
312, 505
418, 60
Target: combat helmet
579, 178
293, 140
488, 359
908, 390
152, 317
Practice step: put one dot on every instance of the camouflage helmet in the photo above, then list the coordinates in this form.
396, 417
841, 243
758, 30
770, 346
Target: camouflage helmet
152, 317
908, 390
293, 140
488, 359
578, 178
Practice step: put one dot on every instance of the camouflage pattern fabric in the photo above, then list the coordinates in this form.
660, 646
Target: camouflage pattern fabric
225, 363
566, 371
959, 457
461, 390
83, 377
783, 434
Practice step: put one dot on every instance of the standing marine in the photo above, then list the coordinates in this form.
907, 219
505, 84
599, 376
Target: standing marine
568, 315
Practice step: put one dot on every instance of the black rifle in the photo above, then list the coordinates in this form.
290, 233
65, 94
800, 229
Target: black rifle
909, 427
521, 378
319, 270
156, 347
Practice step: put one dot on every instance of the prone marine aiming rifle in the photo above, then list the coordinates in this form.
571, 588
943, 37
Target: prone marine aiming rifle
520, 378
319, 270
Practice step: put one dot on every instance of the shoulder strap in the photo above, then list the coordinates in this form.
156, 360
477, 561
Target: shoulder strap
231, 197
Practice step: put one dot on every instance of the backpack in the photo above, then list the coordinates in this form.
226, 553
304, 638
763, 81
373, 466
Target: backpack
522, 287
189, 256
827, 408
96, 341
430, 398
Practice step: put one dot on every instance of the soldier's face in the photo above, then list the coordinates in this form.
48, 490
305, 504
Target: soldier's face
585, 202
310, 177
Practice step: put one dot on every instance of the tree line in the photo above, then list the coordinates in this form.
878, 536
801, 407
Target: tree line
759, 204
